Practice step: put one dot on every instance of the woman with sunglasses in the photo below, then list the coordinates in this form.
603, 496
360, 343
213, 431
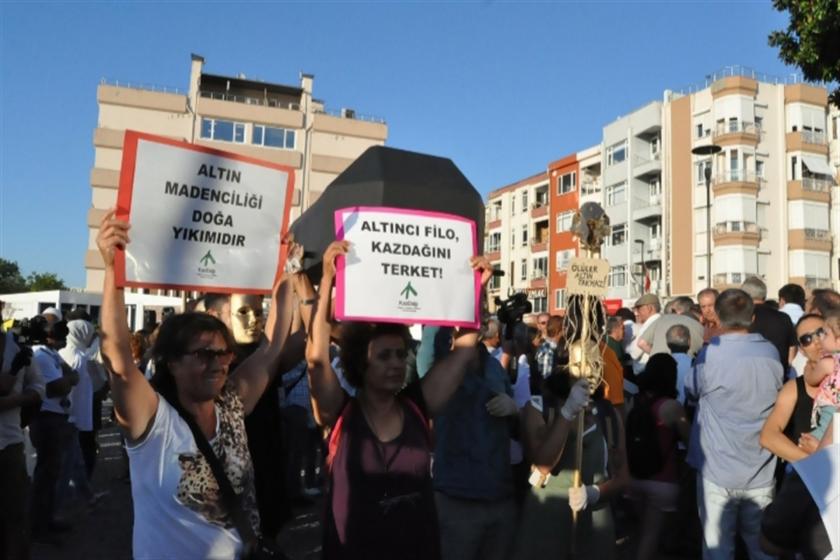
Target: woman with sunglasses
785, 432
380, 502
178, 507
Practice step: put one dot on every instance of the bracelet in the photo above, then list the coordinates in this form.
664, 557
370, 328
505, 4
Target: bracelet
309, 301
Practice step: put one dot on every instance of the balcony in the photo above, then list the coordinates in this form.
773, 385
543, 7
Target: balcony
538, 279
736, 133
539, 246
809, 239
494, 224
653, 251
736, 181
809, 188
493, 256
806, 141
736, 233
647, 209
539, 210
647, 166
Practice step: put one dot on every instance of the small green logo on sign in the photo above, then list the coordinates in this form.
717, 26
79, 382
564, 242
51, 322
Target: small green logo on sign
207, 259
408, 291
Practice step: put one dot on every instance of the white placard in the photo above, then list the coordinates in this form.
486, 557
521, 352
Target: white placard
407, 266
201, 219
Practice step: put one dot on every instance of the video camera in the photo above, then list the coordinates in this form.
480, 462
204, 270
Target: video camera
27, 332
511, 310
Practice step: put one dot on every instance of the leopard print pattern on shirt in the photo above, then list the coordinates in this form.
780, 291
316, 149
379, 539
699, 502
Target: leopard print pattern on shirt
198, 489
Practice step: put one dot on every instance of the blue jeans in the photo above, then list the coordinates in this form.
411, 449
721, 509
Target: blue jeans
727, 511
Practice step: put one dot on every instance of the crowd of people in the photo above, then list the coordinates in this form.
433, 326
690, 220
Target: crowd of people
461, 445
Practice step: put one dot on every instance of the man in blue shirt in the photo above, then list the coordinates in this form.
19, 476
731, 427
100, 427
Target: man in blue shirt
472, 474
735, 381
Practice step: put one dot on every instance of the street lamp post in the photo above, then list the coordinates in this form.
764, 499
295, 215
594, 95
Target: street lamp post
708, 150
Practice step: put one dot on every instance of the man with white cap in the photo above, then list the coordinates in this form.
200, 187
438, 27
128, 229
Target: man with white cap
647, 310
51, 314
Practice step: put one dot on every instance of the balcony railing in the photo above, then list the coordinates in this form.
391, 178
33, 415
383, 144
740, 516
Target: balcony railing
265, 102
813, 137
538, 274
141, 86
813, 184
733, 127
812, 234
736, 227
590, 187
813, 283
737, 176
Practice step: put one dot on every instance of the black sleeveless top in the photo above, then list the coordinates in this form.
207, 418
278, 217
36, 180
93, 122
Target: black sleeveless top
800, 420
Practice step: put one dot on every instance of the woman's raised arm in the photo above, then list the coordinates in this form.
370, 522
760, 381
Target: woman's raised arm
135, 402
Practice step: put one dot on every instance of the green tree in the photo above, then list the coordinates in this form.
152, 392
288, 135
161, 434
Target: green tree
40, 281
812, 40
11, 280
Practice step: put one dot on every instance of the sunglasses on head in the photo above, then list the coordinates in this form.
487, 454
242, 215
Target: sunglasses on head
385, 355
808, 338
207, 355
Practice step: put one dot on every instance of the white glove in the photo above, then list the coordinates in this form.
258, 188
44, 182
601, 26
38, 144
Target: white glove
577, 401
501, 405
582, 496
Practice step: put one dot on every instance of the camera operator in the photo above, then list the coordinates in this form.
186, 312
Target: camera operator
50, 430
21, 385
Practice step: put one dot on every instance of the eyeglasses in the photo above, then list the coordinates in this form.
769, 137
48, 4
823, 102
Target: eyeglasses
386, 354
808, 338
206, 356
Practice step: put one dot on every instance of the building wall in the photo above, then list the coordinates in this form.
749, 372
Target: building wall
564, 186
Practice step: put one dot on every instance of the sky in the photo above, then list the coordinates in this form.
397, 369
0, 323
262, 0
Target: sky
501, 88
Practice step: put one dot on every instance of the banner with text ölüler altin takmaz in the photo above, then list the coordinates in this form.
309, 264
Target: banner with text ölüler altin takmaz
407, 266
201, 219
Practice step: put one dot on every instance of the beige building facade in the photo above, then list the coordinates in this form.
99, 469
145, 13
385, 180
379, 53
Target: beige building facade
273, 122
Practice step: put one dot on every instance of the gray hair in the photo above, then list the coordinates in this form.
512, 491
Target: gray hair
734, 308
491, 329
678, 338
681, 305
755, 288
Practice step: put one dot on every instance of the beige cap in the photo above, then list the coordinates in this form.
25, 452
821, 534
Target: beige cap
647, 299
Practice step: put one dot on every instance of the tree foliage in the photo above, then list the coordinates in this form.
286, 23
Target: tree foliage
12, 281
812, 40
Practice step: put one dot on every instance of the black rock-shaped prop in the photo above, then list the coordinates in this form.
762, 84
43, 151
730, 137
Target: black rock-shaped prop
387, 177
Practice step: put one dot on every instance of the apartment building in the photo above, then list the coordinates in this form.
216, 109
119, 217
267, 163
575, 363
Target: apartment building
771, 184
270, 121
517, 240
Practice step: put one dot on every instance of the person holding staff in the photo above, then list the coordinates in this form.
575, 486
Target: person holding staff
380, 501
180, 510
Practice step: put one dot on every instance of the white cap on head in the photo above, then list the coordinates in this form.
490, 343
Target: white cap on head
52, 311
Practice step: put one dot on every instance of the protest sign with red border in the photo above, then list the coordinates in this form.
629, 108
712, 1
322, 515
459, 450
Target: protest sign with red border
160, 194
409, 266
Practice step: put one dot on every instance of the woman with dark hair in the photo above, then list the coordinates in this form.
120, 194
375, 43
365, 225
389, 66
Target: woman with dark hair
655, 425
179, 507
549, 430
380, 503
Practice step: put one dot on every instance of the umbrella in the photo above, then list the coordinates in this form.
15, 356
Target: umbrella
386, 177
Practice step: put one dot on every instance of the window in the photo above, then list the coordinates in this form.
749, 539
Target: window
733, 164
699, 130
512, 205
512, 240
567, 183
701, 171
564, 221
539, 304
617, 153
793, 166
562, 259
494, 241
616, 194
655, 189
733, 124
835, 122
223, 131
759, 122
560, 298
618, 276
495, 281
759, 169
539, 267
524, 236
524, 201
272, 137
619, 234
524, 265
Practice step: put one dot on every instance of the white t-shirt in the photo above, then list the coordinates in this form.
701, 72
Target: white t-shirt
81, 397
49, 364
29, 378
177, 508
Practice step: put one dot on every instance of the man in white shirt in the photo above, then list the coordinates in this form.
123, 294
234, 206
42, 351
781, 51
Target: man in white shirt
792, 301
647, 310
21, 385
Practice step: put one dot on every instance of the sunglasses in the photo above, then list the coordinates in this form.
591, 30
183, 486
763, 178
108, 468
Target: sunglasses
385, 355
206, 356
808, 338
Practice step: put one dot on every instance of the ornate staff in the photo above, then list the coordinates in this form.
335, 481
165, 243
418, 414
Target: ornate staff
587, 280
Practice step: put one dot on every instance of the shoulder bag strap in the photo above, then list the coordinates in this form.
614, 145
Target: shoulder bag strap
230, 498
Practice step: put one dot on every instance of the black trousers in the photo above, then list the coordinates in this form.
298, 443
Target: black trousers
50, 433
